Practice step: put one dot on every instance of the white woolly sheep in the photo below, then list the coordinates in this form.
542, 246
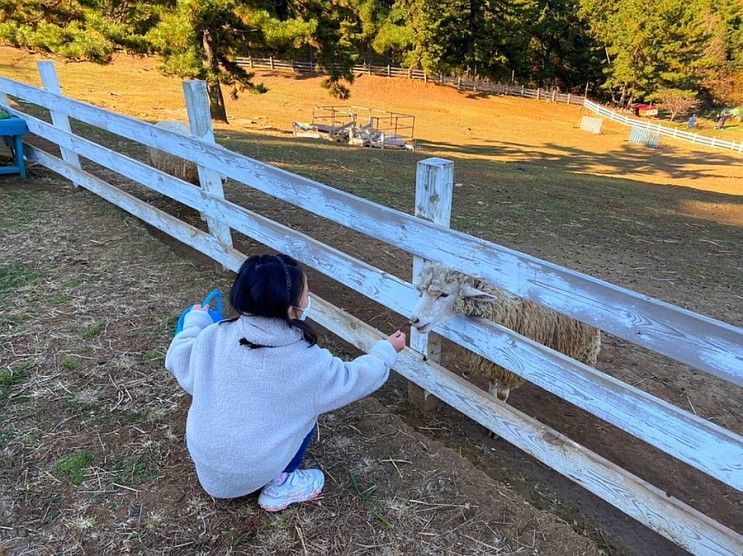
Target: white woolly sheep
169, 163
446, 293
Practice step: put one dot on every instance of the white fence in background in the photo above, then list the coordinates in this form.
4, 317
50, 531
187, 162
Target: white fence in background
662, 130
706, 344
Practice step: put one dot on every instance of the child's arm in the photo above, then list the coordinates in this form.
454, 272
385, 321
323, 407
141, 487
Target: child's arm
342, 382
178, 358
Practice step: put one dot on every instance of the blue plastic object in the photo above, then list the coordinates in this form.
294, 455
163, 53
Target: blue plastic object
216, 313
12, 129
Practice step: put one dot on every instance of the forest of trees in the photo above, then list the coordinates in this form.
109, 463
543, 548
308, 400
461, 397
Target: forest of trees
627, 50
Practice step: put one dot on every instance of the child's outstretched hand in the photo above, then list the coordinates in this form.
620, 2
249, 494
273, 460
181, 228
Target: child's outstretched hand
198, 307
397, 339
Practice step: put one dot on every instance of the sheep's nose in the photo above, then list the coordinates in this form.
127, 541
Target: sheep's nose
414, 321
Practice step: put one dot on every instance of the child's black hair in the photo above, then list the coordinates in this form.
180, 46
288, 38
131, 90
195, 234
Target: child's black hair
268, 286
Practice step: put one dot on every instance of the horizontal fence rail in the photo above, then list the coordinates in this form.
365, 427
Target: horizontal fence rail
469, 84
704, 445
696, 340
637, 498
680, 134
695, 441
629, 493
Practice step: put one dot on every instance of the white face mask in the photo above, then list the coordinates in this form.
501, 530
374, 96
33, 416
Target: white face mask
306, 309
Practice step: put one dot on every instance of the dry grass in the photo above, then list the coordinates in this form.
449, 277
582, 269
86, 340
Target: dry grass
463, 126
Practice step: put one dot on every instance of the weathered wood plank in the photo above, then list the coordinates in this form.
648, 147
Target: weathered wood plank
200, 120
48, 74
434, 185
699, 341
702, 444
637, 498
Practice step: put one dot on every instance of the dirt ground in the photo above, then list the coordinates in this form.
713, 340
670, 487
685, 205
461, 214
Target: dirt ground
92, 426
666, 224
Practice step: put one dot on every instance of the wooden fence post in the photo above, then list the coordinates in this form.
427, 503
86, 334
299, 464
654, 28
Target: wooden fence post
538, 93
554, 93
522, 90
568, 98
50, 82
200, 120
388, 70
250, 60
459, 82
434, 184
270, 58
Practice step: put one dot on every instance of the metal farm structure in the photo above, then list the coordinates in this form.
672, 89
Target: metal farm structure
706, 344
366, 127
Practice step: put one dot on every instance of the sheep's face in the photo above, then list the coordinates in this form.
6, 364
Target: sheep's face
437, 304
441, 291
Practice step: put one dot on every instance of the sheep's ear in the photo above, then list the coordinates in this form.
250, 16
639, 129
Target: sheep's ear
471, 291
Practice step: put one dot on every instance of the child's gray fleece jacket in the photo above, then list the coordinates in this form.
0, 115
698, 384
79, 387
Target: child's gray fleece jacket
252, 407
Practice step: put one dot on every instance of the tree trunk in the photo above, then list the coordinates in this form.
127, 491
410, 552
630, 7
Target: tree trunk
216, 100
621, 98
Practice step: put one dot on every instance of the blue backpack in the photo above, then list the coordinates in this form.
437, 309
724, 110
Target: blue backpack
216, 313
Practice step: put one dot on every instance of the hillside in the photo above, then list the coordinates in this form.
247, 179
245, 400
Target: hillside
449, 123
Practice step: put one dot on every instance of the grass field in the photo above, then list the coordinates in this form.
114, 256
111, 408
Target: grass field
666, 223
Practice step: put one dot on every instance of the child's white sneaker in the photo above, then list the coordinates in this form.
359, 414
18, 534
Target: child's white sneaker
301, 485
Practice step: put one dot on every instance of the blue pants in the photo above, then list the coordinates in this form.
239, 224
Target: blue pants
297, 459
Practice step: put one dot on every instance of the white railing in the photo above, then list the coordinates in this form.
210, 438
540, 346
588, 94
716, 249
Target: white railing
462, 83
695, 138
706, 344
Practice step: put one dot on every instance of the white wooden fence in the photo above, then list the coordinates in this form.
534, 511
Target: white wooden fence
706, 344
680, 134
463, 83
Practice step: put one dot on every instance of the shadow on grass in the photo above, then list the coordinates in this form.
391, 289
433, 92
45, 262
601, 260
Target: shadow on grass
630, 159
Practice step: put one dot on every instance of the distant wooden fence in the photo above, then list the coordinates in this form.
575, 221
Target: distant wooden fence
468, 84
687, 136
706, 344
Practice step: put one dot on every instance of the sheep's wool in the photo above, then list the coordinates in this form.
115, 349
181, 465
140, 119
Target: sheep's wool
541, 324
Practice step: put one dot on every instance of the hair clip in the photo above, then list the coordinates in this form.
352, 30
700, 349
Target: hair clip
288, 276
